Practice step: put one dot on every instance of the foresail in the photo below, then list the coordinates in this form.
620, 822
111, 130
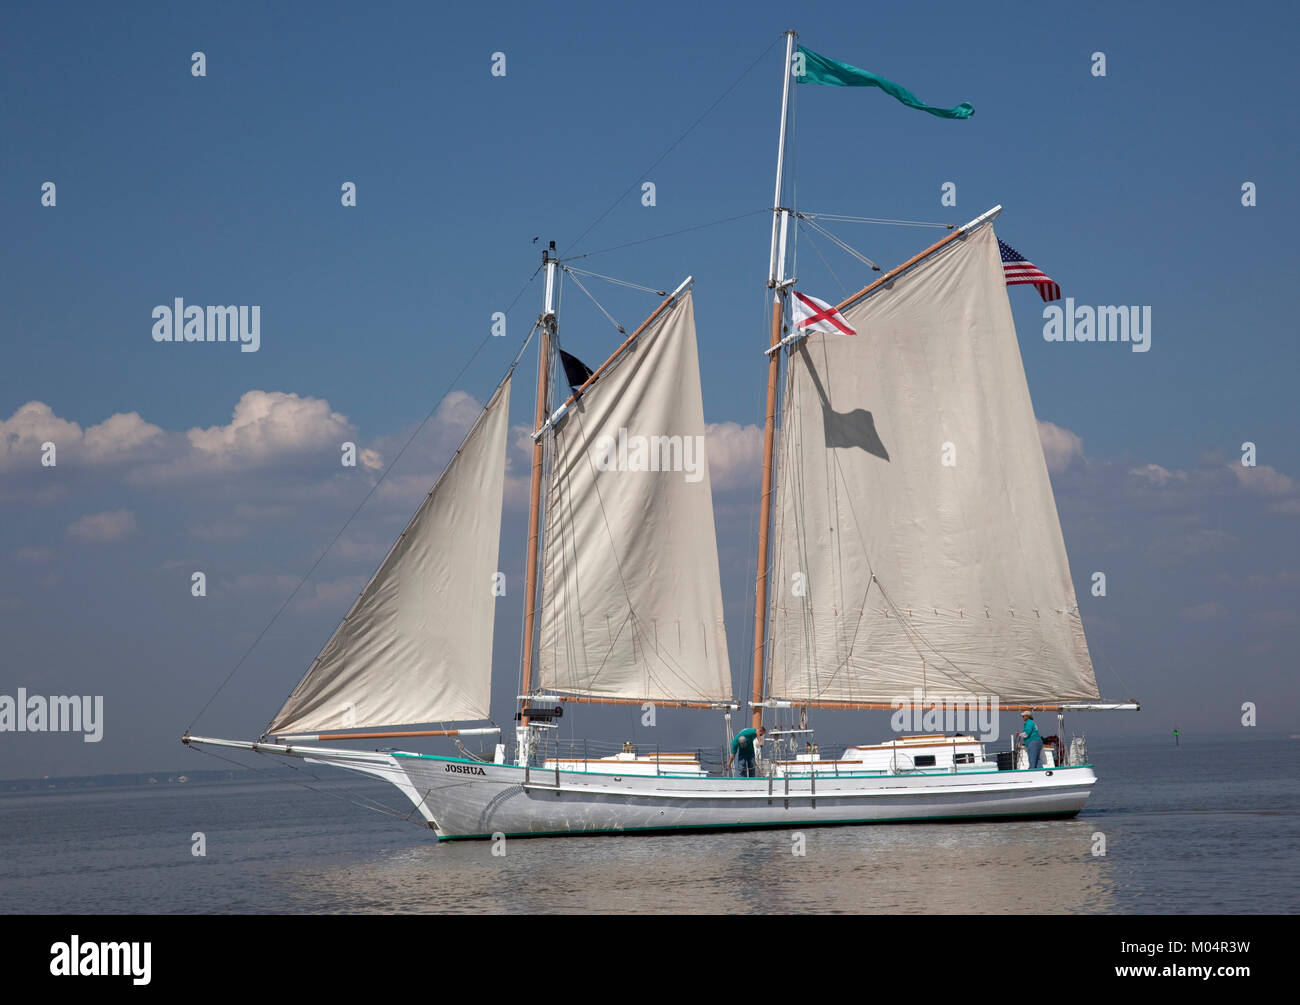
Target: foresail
632, 600
417, 645
918, 544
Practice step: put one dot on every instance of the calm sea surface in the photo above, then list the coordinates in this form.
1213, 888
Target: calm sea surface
1208, 828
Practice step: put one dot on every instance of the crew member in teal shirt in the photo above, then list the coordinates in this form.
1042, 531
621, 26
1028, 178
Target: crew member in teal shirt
742, 751
1033, 741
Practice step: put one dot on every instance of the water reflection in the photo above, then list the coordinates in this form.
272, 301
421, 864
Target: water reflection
1038, 867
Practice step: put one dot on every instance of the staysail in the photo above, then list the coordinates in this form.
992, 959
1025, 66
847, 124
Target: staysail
631, 595
918, 544
417, 645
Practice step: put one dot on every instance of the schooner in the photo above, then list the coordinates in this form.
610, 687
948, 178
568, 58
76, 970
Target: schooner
909, 555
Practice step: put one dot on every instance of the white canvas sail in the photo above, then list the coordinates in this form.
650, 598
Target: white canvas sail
632, 601
910, 453
417, 645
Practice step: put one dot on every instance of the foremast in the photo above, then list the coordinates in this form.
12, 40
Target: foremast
549, 328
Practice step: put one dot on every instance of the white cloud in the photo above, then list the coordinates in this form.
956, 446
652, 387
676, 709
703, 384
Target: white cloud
1282, 579
1263, 479
22, 434
458, 411
327, 595
1154, 474
266, 425
1210, 611
1277, 618
1060, 446
735, 455
519, 466
104, 527
278, 584
1216, 476
119, 436
1193, 542
35, 556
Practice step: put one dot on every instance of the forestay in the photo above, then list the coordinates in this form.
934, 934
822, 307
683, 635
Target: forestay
632, 601
910, 453
417, 645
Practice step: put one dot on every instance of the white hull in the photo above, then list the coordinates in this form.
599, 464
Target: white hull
465, 799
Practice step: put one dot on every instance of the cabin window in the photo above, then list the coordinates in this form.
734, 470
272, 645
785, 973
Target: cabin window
924, 761
964, 758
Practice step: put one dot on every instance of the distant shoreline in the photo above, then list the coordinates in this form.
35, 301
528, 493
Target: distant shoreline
150, 779
144, 780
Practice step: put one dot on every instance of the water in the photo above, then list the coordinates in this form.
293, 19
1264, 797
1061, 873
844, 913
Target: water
1207, 828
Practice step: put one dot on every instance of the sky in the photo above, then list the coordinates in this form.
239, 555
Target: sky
226, 188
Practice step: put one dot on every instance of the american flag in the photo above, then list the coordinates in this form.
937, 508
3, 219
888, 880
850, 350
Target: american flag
1020, 271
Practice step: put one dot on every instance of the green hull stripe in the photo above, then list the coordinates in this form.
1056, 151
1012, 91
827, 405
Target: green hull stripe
1059, 814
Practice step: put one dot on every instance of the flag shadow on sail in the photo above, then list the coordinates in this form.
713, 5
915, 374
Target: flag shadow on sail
845, 429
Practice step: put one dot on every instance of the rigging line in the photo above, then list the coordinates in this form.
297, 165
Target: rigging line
347, 523
690, 129
632, 617
751, 568
620, 282
609, 316
792, 479
914, 635
842, 244
840, 218
799, 500
468, 754
1109, 665
839, 483
787, 497
378, 807
566, 527
570, 628
673, 233
528, 341
783, 421
794, 492
908, 627
569, 574
531, 600
793, 178
844, 289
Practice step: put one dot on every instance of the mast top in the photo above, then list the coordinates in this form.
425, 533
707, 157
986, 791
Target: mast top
549, 261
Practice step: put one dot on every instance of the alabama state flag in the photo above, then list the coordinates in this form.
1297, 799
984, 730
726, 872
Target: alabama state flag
813, 315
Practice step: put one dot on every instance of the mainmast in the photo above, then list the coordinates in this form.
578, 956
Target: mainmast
548, 323
777, 283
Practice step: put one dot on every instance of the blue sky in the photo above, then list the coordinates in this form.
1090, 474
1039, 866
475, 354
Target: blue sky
225, 189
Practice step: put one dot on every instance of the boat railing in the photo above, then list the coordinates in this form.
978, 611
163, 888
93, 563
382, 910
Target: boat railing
578, 754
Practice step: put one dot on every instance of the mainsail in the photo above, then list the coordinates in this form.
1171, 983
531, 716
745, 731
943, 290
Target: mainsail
918, 544
631, 596
417, 645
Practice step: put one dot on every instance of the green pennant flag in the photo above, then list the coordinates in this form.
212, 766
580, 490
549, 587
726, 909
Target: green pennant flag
832, 73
